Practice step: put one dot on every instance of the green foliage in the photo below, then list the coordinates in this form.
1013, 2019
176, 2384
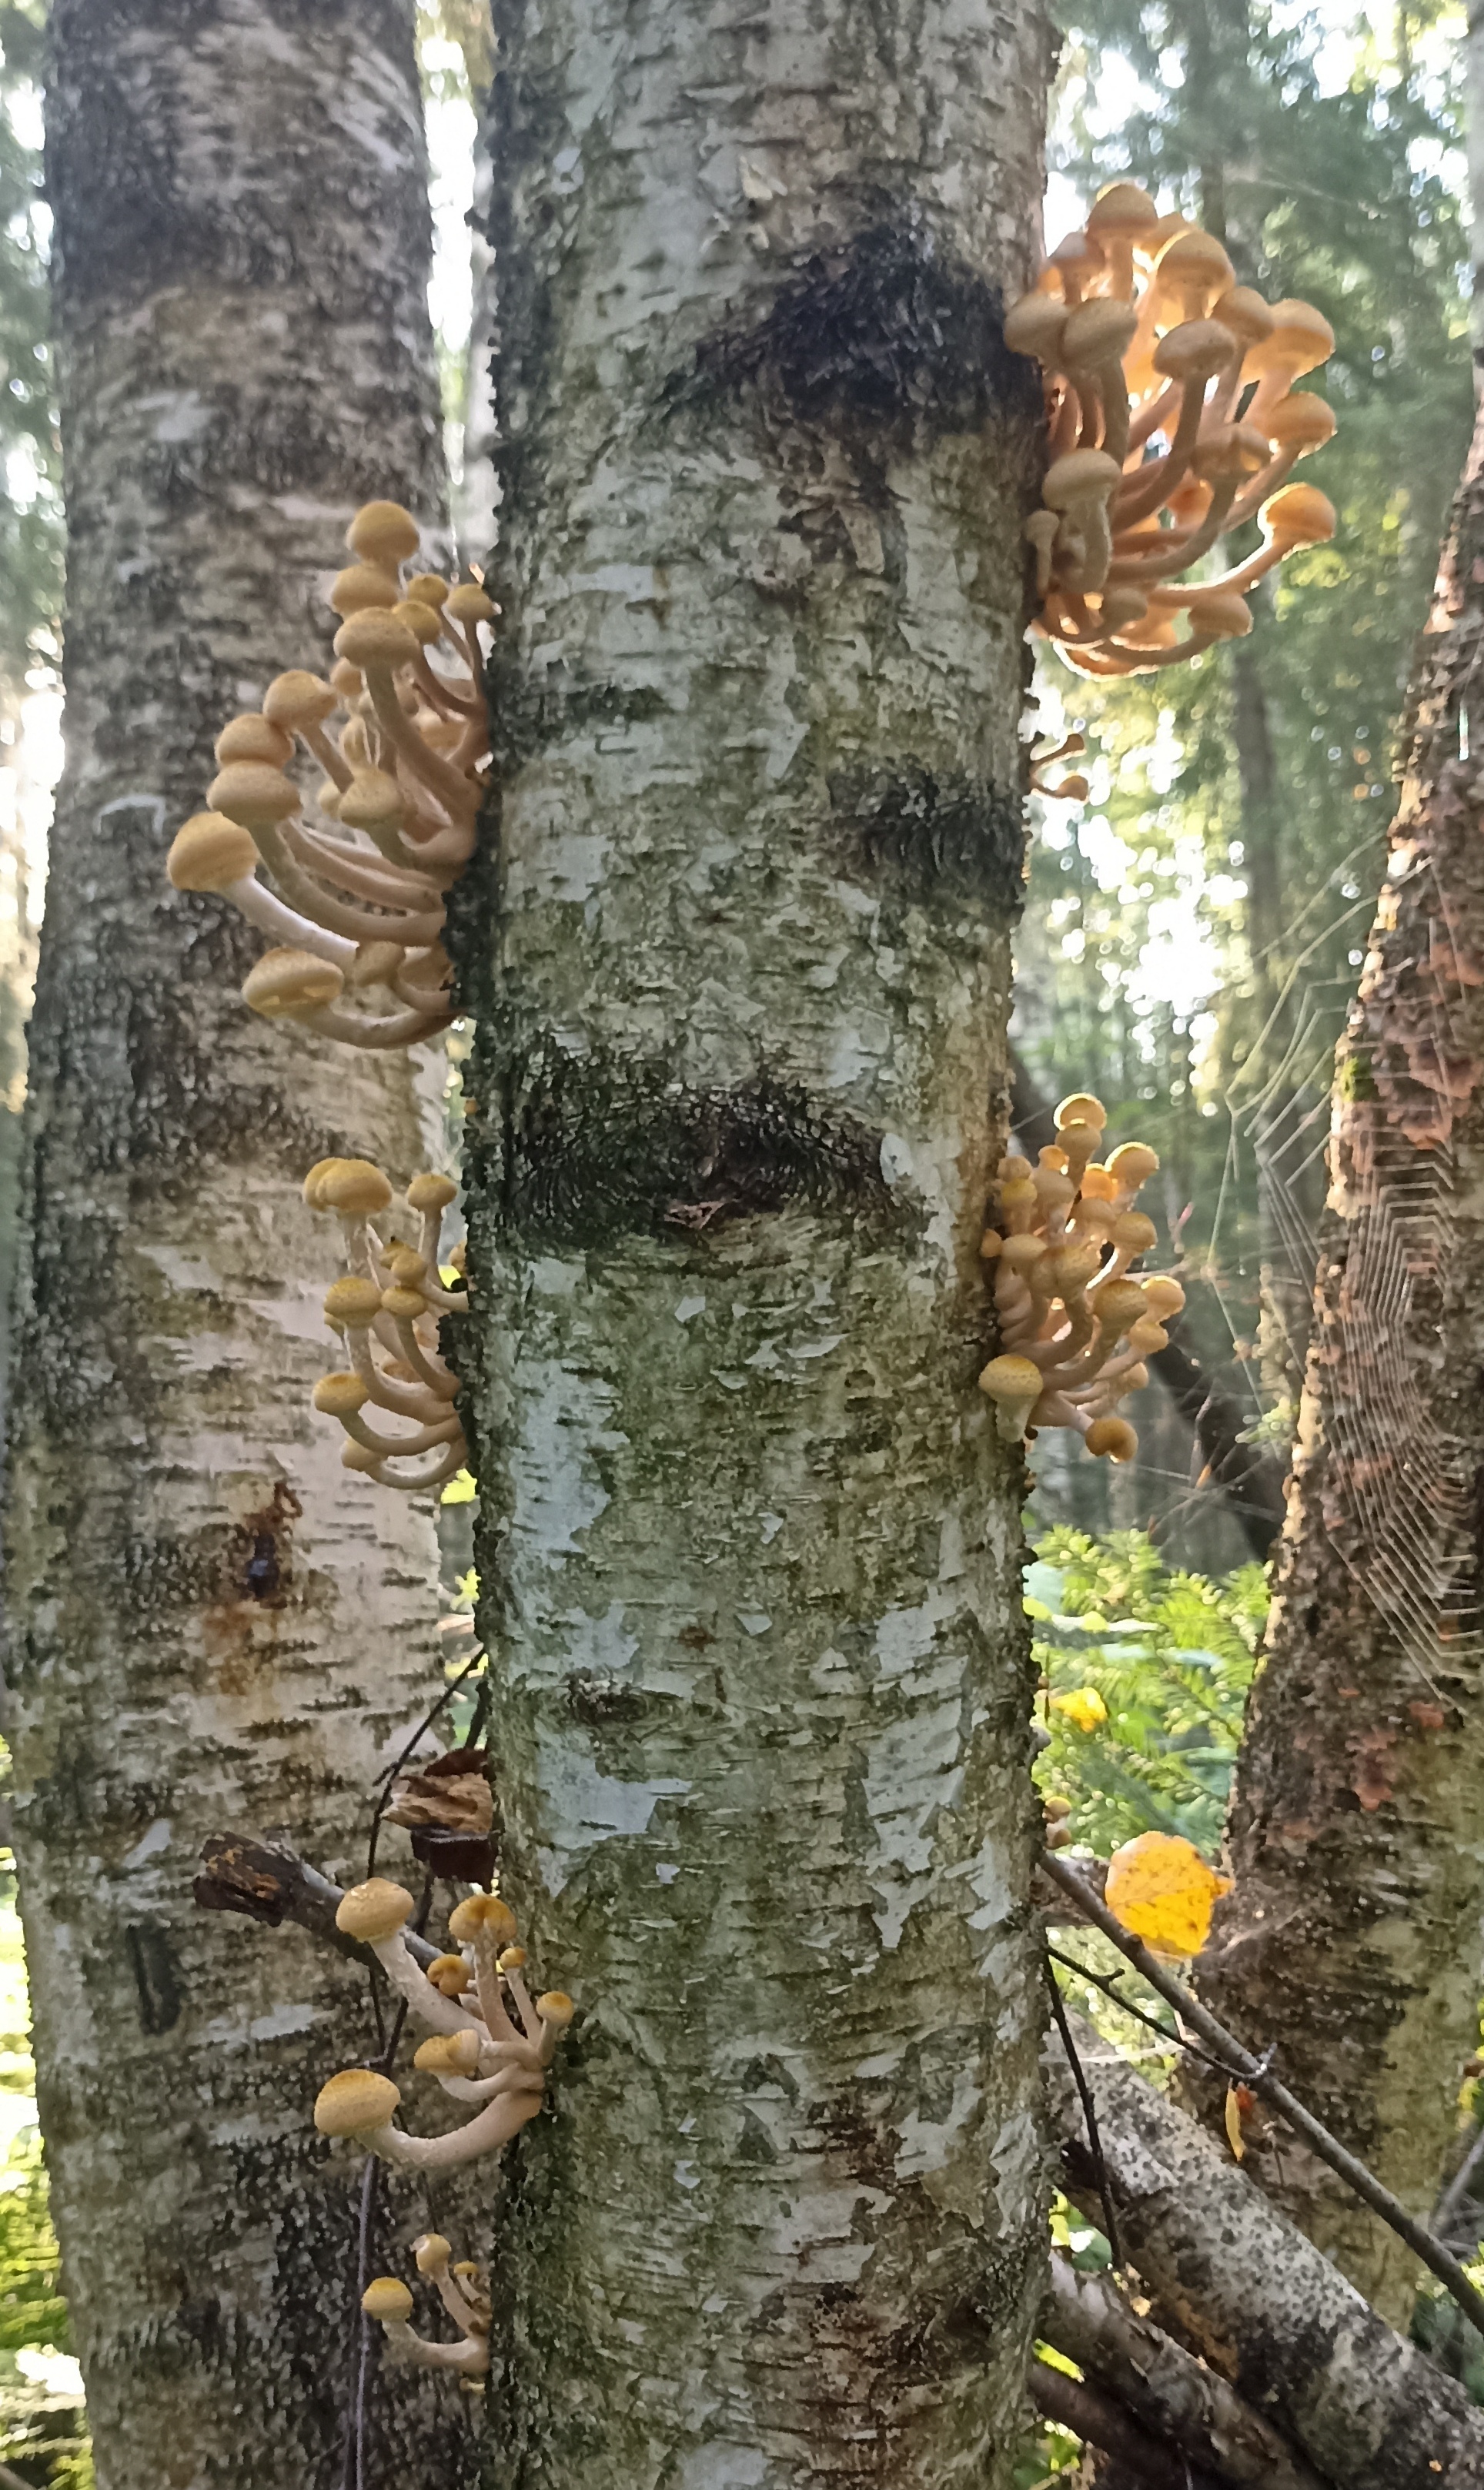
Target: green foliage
32, 2309
1170, 1655
31, 526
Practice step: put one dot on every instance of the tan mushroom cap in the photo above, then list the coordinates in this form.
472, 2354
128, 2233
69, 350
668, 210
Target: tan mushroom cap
432, 1192
355, 2100
1121, 212
1097, 333
1010, 1379
449, 1973
1133, 1163
1034, 325
378, 1908
346, 680
1222, 615
1077, 475
375, 639
1300, 515
1119, 1303
382, 531
432, 2252
1299, 340
555, 2005
428, 588
1082, 1108
1111, 1439
469, 604
354, 1186
1134, 1231
315, 1178
1233, 450
252, 737
448, 2053
287, 981
1242, 310
1194, 258
386, 2299
403, 1305
485, 1916
299, 699
351, 1302
362, 589
373, 801
1195, 351
419, 618
209, 853
253, 792
1300, 421
341, 1396
1023, 1253
1163, 1296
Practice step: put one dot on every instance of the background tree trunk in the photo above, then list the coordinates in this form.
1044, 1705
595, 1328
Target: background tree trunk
210, 1620
750, 1551
1356, 1830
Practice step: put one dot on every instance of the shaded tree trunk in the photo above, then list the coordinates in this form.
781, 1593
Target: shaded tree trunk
1356, 1830
750, 1551
208, 1618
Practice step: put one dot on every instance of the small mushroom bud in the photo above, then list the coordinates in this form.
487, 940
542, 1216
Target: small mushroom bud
1111, 1439
1163, 1296
1014, 1385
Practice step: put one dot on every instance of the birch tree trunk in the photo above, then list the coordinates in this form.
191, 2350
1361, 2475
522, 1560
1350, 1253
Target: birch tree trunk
210, 1621
1357, 1829
749, 1546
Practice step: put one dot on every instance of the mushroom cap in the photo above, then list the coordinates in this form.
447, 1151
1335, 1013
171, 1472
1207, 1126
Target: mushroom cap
1054, 1187
406, 1266
1081, 1108
1135, 1231
384, 531
1119, 1303
469, 604
287, 981
251, 737
1022, 1253
449, 1973
1233, 450
340, 1396
373, 801
1034, 325
1078, 476
355, 2100
428, 588
1117, 608
1097, 333
1300, 515
1163, 1296
448, 2053
359, 1457
299, 699
1242, 310
209, 853
1300, 421
1098, 1185
352, 1303
403, 1305
419, 618
387, 2300
346, 680
1191, 257
1299, 340
1078, 253
1111, 1439
253, 792
432, 2252
365, 588
482, 1916
1010, 1379
354, 1186
556, 2007
378, 1908
1223, 615
1120, 211
375, 963
432, 1192
1133, 1163
1146, 1335
1073, 1266
315, 1177
375, 639
513, 1958
1195, 351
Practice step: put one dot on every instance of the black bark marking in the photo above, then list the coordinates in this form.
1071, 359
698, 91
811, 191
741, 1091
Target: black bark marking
893, 329
153, 1965
267, 1534
595, 1147
925, 831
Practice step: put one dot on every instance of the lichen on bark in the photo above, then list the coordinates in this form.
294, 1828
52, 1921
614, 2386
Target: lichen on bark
749, 1550
209, 1621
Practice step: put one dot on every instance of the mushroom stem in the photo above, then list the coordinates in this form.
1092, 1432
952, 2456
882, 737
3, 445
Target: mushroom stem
410, 1980
459, 799
272, 915
496, 2124
470, 2358
437, 1378
399, 1028
394, 1448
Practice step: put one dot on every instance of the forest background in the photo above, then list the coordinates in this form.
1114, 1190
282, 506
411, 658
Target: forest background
1192, 931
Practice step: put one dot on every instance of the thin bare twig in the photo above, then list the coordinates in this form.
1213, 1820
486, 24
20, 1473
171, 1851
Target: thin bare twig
1094, 2415
1459, 2186
1089, 2117
1256, 2074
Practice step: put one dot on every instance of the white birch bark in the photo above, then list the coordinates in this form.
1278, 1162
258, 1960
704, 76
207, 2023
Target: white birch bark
750, 1548
211, 1623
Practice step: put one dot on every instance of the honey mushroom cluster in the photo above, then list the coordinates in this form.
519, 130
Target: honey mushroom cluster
463, 2289
491, 2041
386, 1310
1173, 420
357, 908
1075, 1324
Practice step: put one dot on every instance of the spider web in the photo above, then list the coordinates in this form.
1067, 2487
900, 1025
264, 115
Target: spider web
1404, 1484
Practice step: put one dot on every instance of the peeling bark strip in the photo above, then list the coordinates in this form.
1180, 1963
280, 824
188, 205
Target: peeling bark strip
209, 1619
761, 1689
1257, 2299
1357, 1829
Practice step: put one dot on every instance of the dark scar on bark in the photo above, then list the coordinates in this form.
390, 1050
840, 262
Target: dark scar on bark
927, 832
154, 1969
890, 328
595, 1146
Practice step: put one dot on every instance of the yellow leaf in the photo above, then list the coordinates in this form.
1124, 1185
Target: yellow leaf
1084, 1707
1233, 2121
1162, 1889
